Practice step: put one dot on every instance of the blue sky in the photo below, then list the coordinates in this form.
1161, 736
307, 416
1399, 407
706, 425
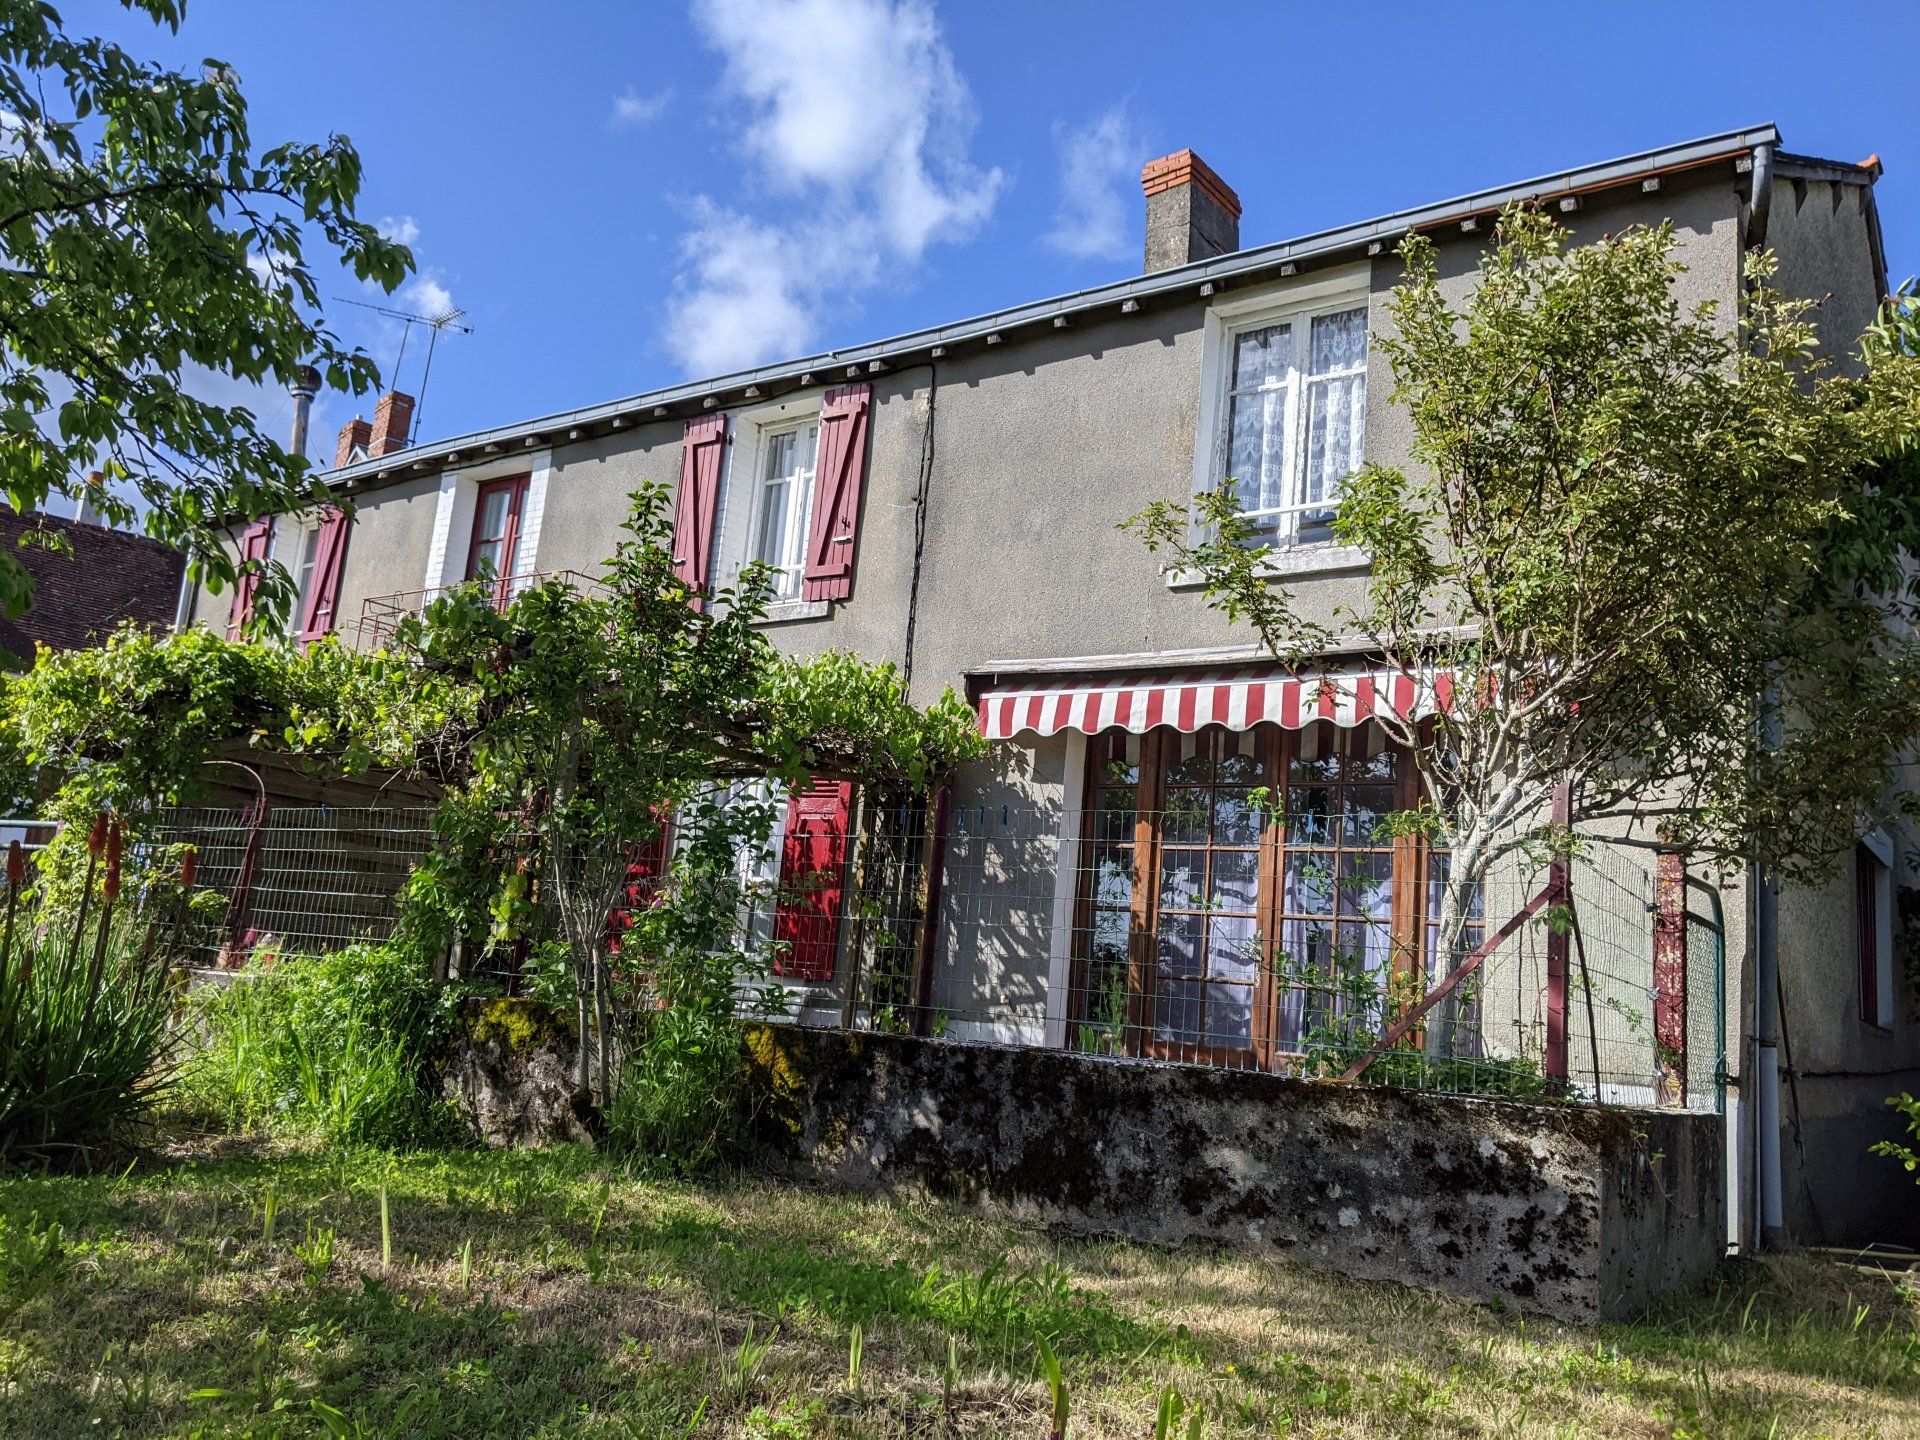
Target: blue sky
624, 194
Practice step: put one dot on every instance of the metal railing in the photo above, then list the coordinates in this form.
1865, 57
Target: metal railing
381, 615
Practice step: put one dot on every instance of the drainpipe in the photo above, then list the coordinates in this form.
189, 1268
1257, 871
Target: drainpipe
1766, 901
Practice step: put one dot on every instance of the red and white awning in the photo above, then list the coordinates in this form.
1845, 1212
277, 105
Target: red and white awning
1239, 701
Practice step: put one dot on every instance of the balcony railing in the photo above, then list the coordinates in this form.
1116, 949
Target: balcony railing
380, 615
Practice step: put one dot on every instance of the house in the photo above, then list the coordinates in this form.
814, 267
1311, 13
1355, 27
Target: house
92, 580
947, 500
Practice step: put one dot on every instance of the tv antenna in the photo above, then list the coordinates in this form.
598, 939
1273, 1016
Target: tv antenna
447, 320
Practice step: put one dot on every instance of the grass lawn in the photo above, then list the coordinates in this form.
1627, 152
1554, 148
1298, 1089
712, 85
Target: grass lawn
548, 1294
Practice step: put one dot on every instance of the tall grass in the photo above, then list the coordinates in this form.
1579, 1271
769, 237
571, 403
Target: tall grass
86, 1040
344, 1046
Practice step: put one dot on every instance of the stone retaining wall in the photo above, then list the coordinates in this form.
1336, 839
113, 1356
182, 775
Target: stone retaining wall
1575, 1213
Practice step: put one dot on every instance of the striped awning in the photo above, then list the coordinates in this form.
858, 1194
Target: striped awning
1238, 700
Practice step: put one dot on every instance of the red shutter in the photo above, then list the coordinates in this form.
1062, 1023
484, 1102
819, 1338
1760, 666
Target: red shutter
646, 868
844, 417
806, 917
329, 556
256, 541
693, 512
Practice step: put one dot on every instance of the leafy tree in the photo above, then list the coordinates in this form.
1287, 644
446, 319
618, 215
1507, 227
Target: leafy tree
144, 245
1665, 558
592, 715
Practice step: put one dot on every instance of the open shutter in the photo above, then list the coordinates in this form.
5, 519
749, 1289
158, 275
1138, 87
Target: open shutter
693, 512
329, 557
646, 869
844, 422
806, 917
256, 542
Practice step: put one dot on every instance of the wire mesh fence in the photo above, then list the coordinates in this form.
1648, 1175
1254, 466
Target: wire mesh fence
1216, 935
298, 879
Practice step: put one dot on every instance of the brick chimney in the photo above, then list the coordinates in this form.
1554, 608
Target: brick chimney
1192, 214
392, 423
356, 434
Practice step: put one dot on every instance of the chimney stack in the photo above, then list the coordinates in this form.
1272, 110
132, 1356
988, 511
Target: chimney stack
1192, 214
356, 434
392, 423
305, 386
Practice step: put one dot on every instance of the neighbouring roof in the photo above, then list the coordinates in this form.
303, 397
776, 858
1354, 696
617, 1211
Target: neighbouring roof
1202, 277
106, 577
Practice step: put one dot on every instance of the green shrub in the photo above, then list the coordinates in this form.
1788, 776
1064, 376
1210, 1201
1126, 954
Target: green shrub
679, 1101
345, 1045
86, 1043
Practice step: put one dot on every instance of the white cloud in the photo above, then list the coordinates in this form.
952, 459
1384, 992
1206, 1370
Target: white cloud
631, 109
856, 126
402, 228
1099, 178
426, 295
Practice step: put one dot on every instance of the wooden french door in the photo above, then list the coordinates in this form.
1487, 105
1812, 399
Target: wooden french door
1233, 882
498, 513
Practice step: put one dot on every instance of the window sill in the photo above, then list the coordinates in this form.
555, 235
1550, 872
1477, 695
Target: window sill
784, 612
1325, 559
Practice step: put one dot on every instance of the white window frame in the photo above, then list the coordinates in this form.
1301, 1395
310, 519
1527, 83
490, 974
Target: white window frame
743, 493
292, 534
453, 517
1296, 303
803, 485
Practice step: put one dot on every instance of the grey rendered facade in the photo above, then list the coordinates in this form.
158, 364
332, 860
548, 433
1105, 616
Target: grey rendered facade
1004, 451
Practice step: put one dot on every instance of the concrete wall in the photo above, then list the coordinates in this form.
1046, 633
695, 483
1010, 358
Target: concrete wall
1577, 1214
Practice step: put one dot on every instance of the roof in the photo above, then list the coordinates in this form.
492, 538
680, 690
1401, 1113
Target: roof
106, 577
1200, 278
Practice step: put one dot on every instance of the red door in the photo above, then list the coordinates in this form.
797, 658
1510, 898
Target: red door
813, 857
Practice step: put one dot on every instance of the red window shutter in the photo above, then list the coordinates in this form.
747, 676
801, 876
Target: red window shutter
256, 541
694, 509
806, 917
844, 417
646, 868
329, 557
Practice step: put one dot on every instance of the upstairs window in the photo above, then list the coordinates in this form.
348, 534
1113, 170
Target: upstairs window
785, 502
1293, 417
498, 515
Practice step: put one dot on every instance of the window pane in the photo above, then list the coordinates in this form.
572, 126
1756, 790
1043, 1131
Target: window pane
1229, 1019
772, 548
1192, 762
1316, 753
1366, 885
1367, 807
1178, 951
1185, 820
1110, 931
1336, 421
1339, 341
1257, 449
1176, 1011
1309, 884
1232, 949
1262, 357
494, 506
1235, 820
1113, 882
1310, 815
1182, 873
1236, 879
1240, 762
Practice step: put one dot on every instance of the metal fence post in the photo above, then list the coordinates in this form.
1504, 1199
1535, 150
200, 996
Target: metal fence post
1559, 883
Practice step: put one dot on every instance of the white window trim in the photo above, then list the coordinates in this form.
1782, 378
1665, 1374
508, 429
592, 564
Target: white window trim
742, 492
291, 533
453, 515
1295, 301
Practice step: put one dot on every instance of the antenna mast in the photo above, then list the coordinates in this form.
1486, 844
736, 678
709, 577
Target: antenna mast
448, 320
